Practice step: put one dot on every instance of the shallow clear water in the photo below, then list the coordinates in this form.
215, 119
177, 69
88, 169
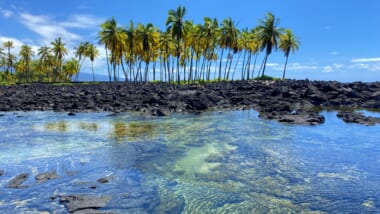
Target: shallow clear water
230, 162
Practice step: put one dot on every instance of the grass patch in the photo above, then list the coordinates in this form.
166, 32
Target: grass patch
265, 77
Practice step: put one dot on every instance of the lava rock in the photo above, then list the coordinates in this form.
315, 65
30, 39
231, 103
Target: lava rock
358, 117
299, 117
84, 203
104, 180
270, 98
17, 181
43, 177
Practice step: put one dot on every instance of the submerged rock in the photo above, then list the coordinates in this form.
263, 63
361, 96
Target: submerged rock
43, 177
104, 180
84, 203
91, 211
358, 117
1, 172
160, 112
299, 117
17, 181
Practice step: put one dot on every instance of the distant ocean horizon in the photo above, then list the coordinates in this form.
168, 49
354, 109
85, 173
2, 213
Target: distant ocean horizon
340, 77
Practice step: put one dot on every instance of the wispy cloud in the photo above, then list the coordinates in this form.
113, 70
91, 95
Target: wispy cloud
301, 67
364, 60
46, 28
332, 68
327, 69
292, 66
17, 44
365, 66
6, 13
82, 21
334, 53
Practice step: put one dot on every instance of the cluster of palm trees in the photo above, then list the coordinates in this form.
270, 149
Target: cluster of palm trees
183, 52
49, 65
192, 52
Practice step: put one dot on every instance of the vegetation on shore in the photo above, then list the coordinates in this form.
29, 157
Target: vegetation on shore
184, 52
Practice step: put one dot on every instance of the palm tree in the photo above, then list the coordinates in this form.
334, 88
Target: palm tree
268, 34
2, 60
91, 52
1, 52
228, 40
176, 26
70, 68
148, 40
46, 60
166, 48
192, 42
288, 43
8, 45
130, 54
59, 50
114, 39
208, 37
26, 54
80, 53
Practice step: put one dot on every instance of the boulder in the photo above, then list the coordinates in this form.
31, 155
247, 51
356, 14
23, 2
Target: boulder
196, 104
104, 180
160, 112
43, 177
76, 203
17, 181
358, 117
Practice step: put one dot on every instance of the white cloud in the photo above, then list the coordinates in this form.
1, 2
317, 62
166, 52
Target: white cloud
275, 66
82, 21
327, 69
6, 13
17, 44
334, 53
47, 29
365, 66
361, 60
292, 66
301, 67
332, 68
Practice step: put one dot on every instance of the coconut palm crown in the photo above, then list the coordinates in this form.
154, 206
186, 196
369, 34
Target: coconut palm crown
288, 43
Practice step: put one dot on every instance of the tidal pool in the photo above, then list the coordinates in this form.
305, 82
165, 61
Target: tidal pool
229, 162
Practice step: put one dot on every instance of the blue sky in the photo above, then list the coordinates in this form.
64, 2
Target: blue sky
340, 39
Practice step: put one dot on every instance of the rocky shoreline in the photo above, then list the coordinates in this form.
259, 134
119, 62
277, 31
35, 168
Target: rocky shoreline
288, 101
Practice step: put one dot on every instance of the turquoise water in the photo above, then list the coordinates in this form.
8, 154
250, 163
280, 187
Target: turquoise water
230, 162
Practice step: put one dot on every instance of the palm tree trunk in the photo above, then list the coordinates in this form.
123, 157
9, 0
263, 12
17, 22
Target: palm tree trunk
220, 65
225, 67
286, 63
249, 64
108, 65
154, 70
92, 68
124, 71
264, 65
191, 66
254, 65
178, 71
243, 66
236, 64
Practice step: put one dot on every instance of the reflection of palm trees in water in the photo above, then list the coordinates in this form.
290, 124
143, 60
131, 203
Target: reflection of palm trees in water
134, 146
132, 131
